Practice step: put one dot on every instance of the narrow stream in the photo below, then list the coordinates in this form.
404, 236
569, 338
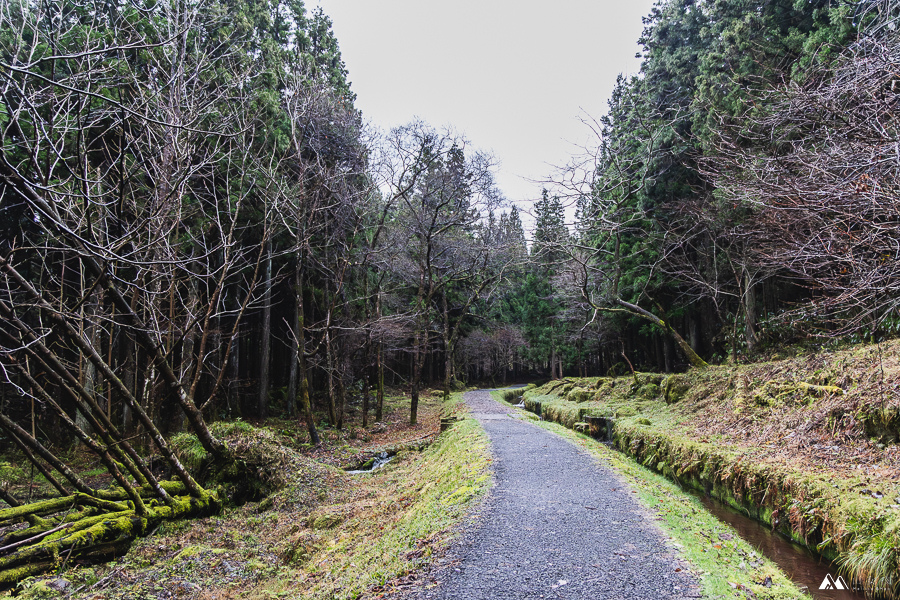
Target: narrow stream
798, 563
378, 462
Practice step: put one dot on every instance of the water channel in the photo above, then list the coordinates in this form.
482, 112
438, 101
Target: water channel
799, 563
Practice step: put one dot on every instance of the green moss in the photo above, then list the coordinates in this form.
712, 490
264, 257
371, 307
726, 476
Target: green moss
431, 491
301, 548
565, 413
533, 405
189, 450
674, 388
649, 391
325, 519
189, 552
579, 395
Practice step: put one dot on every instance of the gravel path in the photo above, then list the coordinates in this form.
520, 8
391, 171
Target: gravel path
557, 525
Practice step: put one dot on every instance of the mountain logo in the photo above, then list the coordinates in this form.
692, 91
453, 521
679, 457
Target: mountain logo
830, 583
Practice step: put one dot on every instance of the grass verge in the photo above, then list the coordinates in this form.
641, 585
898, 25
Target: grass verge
406, 515
723, 562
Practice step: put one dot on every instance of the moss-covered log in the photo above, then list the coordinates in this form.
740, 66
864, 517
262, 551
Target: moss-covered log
93, 533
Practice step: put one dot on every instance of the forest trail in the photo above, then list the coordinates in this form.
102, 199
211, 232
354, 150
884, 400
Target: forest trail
556, 524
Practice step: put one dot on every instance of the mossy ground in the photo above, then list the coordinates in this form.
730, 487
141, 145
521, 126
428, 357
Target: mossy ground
322, 533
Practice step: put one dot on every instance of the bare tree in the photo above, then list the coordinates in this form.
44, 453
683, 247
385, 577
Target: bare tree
817, 178
442, 194
132, 194
607, 184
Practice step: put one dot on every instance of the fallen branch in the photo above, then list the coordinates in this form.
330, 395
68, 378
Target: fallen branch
820, 389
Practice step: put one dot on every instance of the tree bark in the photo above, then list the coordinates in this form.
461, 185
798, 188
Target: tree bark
689, 353
300, 357
262, 401
379, 358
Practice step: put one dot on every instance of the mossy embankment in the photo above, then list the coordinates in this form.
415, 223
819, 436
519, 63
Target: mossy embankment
725, 565
806, 445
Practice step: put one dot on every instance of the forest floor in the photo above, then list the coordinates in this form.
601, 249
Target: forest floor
324, 534
808, 444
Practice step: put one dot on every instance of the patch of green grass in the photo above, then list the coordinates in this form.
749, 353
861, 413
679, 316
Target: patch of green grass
404, 516
720, 564
93, 472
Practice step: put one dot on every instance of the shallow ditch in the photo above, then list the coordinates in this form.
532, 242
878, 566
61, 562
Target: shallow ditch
799, 563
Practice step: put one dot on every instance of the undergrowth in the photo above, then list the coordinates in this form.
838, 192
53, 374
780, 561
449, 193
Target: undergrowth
320, 533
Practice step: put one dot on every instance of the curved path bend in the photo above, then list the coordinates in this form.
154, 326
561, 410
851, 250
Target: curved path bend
557, 524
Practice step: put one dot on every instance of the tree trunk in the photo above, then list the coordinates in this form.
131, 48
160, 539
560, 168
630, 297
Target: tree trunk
341, 395
750, 313
448, 350
300, 357
262, 401
379, 366
553, 363
418, 362
689, 353
367, 375
694, 333
293, 369
329, 356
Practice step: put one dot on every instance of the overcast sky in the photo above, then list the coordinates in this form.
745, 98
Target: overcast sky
512, 76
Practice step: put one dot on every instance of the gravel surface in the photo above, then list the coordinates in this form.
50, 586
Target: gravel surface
557, 524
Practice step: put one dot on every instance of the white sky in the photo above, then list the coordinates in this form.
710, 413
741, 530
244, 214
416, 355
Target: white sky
512, 76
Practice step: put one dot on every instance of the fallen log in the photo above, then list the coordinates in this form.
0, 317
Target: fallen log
91, 534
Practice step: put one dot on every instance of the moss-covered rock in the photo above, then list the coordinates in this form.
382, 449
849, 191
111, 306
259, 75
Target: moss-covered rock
649, 391
602, 382
625, 411
300, 548
674, 388
579, 395
326, 518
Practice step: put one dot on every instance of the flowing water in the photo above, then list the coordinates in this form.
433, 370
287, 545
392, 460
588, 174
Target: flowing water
798, 563
380, 460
